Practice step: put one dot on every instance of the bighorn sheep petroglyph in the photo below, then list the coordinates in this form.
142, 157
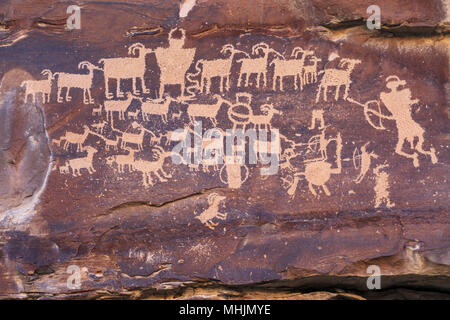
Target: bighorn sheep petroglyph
119, 106
83, 163
156, 107
122, 160
291, 67
34, 87
215, 68
208, 111
257, 65
147, 168
80, 81
126, 68
74, 138
337, 78
244, 119
310, 71
212, 212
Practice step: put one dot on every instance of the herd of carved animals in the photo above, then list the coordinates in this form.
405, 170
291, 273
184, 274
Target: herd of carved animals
301, 65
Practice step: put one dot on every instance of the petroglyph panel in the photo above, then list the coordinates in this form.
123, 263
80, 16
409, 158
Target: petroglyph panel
177, 138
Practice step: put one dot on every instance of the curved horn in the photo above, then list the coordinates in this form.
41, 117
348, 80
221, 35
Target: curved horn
84, 64
133, 47
211, 197
296, 51
48, 73
259, 46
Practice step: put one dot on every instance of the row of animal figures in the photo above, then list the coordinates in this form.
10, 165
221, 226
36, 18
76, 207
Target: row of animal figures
240, 113
301, 65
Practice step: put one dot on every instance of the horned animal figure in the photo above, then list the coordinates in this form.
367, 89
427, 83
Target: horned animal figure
83, 163
43, 87
337, 78
126, 68
122, 160
74, 138
119, 106
157, 107
216, 68
310, 71
80, 81
256, 66
147, 168
291, 67
212, 212
208, 111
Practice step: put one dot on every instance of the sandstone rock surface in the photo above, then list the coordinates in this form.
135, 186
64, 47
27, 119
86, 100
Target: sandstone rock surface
88, 179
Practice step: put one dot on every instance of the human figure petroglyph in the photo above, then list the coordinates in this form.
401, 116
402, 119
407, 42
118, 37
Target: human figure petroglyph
337, 78
80, 81
73, 138
382, 187
42, 87
119, 106
290, 67
126, 68
257, 65
174, 62
399, 103
212, 212
365, 158
317, 115
82, 163
215, 68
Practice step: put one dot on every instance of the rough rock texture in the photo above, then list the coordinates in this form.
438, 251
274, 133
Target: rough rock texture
345, 197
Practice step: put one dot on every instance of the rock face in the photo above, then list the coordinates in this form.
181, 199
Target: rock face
106, 131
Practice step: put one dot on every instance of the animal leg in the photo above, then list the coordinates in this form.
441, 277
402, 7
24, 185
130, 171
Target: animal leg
336, 96
59, 98
135, 90
144, 87
325, 189
119, 93
347, 87
107, 93
160, 177
318, 93
68, 97
240, 80
311, 188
